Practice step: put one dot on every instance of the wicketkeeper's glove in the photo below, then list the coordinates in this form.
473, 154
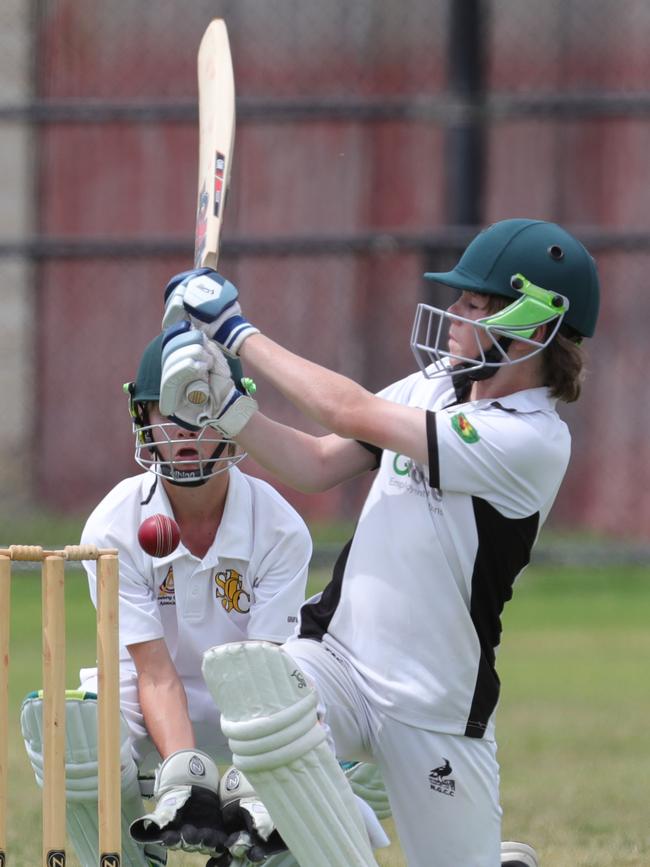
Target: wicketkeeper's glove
252, 835
187, 813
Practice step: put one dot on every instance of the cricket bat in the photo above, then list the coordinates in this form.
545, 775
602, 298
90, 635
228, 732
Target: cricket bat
216, 140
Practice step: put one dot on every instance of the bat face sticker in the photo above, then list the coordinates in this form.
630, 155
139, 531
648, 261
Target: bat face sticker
201, 226
219, 175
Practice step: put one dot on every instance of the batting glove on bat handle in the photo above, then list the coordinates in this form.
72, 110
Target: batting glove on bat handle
234, 414
210, 303
174, 293
187, 359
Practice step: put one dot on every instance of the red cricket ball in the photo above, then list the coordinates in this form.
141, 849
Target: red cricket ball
159, 535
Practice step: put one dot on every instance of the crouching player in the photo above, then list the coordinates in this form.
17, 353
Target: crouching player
239, 573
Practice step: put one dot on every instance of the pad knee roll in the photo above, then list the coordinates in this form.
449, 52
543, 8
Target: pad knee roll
269, 716
81, 776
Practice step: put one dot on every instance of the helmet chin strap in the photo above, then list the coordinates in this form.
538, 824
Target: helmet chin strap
463, 378
194, 483
190, 483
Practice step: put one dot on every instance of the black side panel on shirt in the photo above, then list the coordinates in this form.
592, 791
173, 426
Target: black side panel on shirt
432, 450
504, 546
315, 617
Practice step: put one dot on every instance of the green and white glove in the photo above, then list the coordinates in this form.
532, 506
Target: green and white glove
367, 783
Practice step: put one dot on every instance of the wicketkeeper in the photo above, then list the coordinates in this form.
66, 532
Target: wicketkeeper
239, 573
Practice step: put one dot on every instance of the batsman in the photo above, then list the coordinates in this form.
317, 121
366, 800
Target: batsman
395, 661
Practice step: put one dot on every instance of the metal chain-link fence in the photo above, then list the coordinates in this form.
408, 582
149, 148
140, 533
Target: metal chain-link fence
373, 139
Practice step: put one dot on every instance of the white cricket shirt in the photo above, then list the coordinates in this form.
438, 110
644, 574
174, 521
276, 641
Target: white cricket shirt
249, 585
416, 596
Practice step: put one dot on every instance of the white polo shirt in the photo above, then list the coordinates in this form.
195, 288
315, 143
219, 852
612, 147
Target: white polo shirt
249, 585
416, 597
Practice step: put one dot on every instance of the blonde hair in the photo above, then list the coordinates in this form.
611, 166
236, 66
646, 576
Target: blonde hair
563, 368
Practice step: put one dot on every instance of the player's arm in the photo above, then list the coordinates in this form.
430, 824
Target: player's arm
302, 461
162, 697
336, 402
186, 813
210, 303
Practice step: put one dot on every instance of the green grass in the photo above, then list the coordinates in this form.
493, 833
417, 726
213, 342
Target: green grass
571, 725
39, 528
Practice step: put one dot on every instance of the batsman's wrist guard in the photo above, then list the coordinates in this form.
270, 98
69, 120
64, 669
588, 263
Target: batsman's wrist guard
231, 334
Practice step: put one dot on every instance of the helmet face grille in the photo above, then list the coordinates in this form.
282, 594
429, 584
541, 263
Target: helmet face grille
153, 442
492, 335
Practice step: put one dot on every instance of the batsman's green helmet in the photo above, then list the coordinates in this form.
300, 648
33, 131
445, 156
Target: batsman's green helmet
146, 386
545, 253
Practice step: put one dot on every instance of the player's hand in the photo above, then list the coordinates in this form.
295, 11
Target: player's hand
209, 302
188, 361
174, 293
235, 412
196, 387
253, 836
187, 812
173, 296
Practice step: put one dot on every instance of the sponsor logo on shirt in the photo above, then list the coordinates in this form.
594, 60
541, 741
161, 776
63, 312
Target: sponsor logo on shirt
466, 431
414, 481
166, 592
441, 781
404, 466
229, 589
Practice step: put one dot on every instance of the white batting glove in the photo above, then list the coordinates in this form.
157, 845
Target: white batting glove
209, 302
234, 414
195, 379
194, 368
173, 298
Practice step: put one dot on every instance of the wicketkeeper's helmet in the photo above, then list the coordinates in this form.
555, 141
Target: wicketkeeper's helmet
144, 390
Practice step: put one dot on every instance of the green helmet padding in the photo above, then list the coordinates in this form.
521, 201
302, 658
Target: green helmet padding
549, 257
146, 386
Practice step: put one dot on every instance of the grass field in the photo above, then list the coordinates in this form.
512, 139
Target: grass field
574, 751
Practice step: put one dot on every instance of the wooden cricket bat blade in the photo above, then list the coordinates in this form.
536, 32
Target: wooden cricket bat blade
216, 139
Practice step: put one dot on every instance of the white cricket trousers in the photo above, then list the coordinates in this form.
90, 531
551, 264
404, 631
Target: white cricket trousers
443, 789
